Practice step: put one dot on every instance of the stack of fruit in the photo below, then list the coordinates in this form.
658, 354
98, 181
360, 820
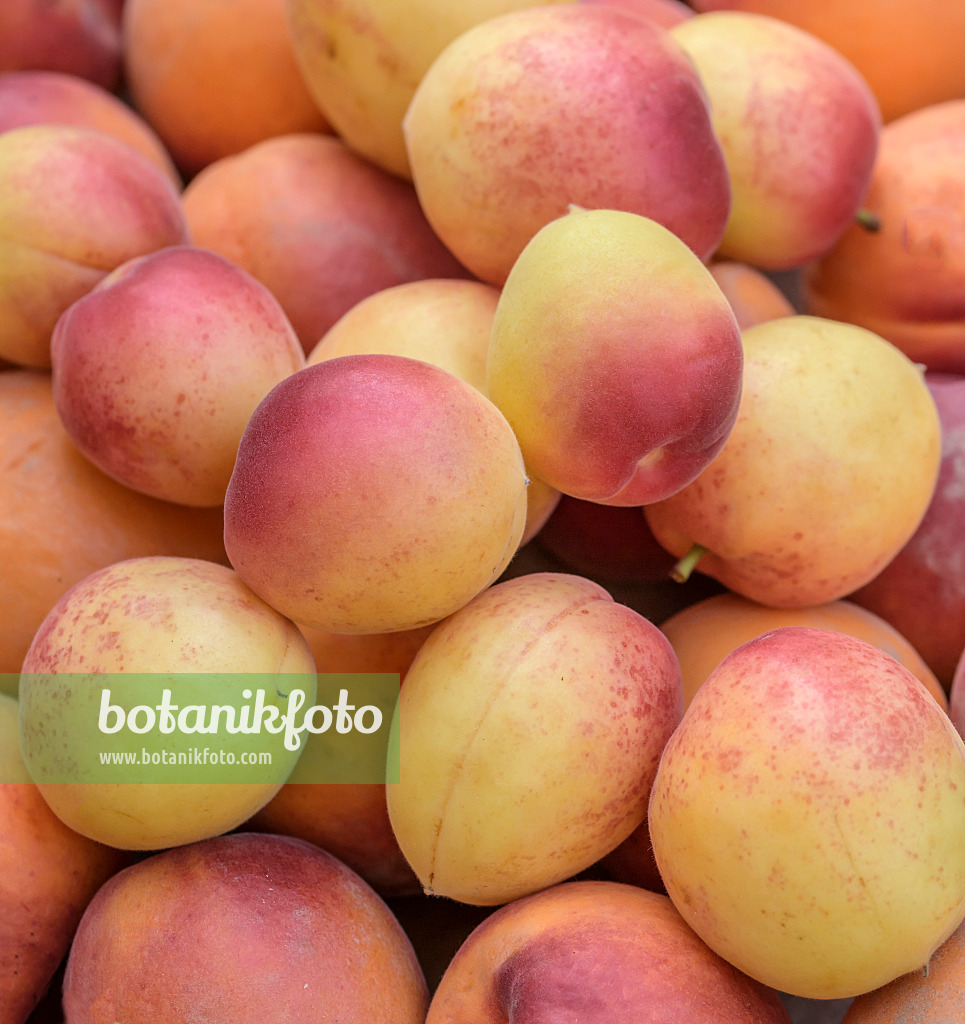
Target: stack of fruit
593, 369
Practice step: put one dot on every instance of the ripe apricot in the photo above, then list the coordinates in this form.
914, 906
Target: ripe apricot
909, 52
61, 518
214, 76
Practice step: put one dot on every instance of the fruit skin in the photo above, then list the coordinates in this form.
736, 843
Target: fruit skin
157, 370
426, 462
927, 996
244, 928
908, 52
362, 60
530, 726
74, 204
905, 280
826, 474
37, 97
554, 956
921, 591
799, 130
213, 77
178, 616
665, 13
80, 37
615, 357
62, 519
552, 106
808, 816
48, 875
445, 321
317, 224
704, 633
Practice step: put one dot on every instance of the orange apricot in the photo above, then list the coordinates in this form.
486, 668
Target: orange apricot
214, 76
753, 296
61, 518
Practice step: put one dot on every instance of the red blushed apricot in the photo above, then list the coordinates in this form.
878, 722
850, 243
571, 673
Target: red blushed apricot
704, 633
665, 13
247, 928
48, 875
599, 952
79, 37
37, 97
903, 276
215, 76
61, 518
910, 53
320, 226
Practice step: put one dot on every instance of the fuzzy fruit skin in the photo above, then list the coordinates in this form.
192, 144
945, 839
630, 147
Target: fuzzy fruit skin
616, 358
242, 929
808, 816
826, 474
428, 464
799, 129
556, 105
554, 956
530, 725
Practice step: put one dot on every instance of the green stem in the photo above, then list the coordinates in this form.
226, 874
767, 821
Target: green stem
682, 570
868, 220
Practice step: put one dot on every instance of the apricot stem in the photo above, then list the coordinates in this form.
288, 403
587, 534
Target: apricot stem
868, 220
682, 570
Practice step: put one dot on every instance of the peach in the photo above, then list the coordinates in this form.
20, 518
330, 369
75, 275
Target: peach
48, 875
908, 52
921, 591
930, 995
598, 952
318, 225
704, 633
826, 474
157, 370
446, 321
753, 296
530, 725
214, 77
362, 60
74, 204
61, 518
808, 818
799, 129
45, 97
541, 108
615, 357
421, 458
76, 37
248, 928
184, 627
904, 276
956, 695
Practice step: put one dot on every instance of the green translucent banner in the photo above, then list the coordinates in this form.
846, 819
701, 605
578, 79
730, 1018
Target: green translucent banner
190, 728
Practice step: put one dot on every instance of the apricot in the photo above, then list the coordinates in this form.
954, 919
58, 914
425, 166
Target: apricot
38, 97
48, 875
704, 633
81, 37
214, 77
904, 276
317, 224
910, 53
61, 518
